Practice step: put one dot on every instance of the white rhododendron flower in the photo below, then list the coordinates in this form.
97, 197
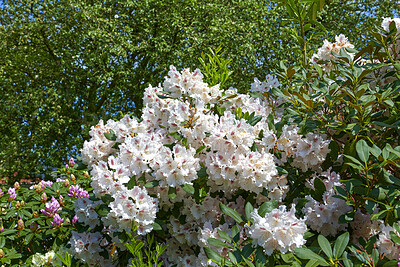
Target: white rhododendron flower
48, 259
85, 210
323, 217
86, 247
262, 87
307, 152
386, 245
325, 52
278, 230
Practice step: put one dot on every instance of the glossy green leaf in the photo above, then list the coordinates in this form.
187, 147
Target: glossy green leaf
188, 188
218, 243
231, 213
340, 245
362, 150
212, 254
248, 210
325, 246
267, 207
307, 254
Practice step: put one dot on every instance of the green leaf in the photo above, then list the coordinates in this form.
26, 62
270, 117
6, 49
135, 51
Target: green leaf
231, 213
325, 246
267, 207
248, 262
235, 231
172, 192
177, 136
247, 250
102, 210
157, 226
202, 173
392, 263
188, 188
200, 149
340, 245
248, 209
224, 235
395, 238
356, 161
362, 150
232, 258
396, 227
253, 121
152, 184
28, 238
260, 256
346, 260
110, 135
270, 121
307, 254
319, 189
218, 243
212, 254
379, 215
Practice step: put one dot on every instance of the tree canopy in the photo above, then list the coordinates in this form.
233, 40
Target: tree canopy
66, 64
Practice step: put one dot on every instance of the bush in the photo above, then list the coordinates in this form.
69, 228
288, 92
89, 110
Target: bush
302, 171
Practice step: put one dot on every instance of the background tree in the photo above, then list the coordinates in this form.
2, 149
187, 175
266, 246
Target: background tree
66, 64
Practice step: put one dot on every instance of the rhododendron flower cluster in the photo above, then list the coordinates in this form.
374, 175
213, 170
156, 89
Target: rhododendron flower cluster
323, 217
181, 136
324, 53
278, 230
385, 243
77, 192
86, 246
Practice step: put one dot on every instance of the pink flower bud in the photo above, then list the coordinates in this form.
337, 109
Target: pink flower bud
75, 219
57, 221
20, 225
13, 195
71, 162
34, 226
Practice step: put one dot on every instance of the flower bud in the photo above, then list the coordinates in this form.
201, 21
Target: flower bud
67, 221
17, 205
66, 182
39, 187
75, 219
71, 162
34, 226
20, 225
1, 226
73, 178
43, 198
1, 192
57, 221
86, 174
23, 203
13, 195
35, 214
1, 253
60, 198
17, 186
